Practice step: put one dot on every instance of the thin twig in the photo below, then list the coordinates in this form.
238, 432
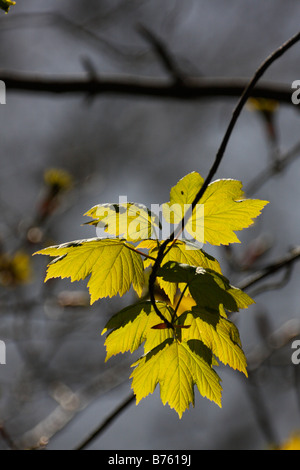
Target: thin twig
164, 54
219, 156
96, 433
179, 301
132, 248
274, 285
296, 376
275, 168
261, 410
272, 268
56, 19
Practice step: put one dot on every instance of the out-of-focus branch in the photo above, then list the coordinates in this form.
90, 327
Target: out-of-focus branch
274, 342
79, 30
163, 54
70, 404
97, 432
284, 262
274, 285
7, 439
275, 168
260, 409
191, 89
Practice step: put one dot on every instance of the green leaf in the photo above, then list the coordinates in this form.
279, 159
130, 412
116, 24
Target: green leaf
207, 287
219, 334
6, 4
181, 252
225, 209
132, 221
177, 367
133, 325
113, 265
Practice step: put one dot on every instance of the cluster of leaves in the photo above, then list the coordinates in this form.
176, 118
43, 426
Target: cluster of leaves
183, 350
6, 4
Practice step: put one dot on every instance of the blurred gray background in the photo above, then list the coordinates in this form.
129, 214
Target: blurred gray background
55, 386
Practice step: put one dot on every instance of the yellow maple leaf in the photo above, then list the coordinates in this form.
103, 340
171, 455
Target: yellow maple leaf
224, 210
177, 367
112, 263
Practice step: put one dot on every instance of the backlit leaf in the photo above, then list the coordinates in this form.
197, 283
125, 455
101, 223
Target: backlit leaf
133, 325
225, 209
181, 252
177, 367
132, 221
219, 334
191, 332
207, 287
112, 264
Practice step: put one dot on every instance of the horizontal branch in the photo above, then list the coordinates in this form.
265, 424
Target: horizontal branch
191, 89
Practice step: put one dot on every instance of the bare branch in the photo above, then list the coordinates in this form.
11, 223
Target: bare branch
274, 285
127, 86
283, 262
97, 432
163, 54
275, 168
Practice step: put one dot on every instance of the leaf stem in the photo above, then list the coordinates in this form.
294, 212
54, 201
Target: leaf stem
179, 301
139, 252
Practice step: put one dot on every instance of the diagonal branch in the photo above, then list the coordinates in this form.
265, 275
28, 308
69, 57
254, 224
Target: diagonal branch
284, 262
106, 422
275, 168
219, 156
163, 54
